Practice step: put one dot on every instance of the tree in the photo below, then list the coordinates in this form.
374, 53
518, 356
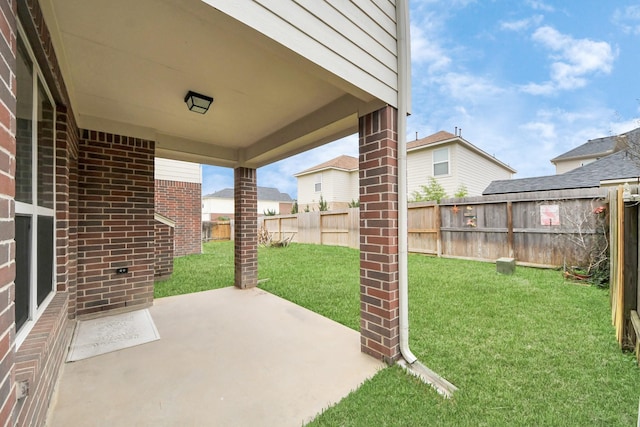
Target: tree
461, 191
294, 207
269, 212
433, 191
354, 203
323, 206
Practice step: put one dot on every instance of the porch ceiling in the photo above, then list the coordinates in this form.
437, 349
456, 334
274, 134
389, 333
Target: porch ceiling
128, 65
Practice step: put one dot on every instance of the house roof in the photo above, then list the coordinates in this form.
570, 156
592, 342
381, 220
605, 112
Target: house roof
264, 193
443, 137
344, 162
440, 136
596, 147
619, 165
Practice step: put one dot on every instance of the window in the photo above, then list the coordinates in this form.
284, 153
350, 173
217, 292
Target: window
35, 193
318, 186
441, 162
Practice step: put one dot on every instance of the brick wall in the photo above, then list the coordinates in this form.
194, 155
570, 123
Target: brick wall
115, 222
7, 191
182, 203
246, 227
40, 356
379, 321
39, 359
66, 205
163, 250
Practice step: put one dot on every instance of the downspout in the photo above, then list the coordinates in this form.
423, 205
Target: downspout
410, 362
404, 86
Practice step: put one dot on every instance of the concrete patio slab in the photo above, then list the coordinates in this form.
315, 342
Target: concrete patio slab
226, 357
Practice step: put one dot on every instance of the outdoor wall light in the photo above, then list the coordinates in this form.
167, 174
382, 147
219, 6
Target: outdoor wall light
198, 103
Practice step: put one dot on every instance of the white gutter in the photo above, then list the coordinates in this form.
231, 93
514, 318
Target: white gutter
410, 362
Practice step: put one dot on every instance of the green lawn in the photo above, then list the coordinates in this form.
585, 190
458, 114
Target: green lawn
528, 349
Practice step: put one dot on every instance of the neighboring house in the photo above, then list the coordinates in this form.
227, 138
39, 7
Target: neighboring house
452, 161
93, 92
335, 180
221, 203
621, 165
178, 192
592, 150
584, 154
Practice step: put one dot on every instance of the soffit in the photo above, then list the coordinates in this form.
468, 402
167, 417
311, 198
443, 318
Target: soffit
128, 65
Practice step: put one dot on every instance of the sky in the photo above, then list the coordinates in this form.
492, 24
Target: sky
524, 80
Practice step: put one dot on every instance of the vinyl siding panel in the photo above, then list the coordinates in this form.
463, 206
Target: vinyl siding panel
465, 167
420, 169
306, 190
476, 171
355, 40
568, 165
226, 206
176, 170
342, 187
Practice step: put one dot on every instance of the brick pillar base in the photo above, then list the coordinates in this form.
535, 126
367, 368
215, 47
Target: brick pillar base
246, 228
379, 321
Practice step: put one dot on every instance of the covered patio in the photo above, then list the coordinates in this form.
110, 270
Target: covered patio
101, 91
225, 357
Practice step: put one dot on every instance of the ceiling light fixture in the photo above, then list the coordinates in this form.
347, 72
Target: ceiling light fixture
197, 102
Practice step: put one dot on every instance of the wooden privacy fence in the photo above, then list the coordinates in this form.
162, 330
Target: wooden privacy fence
337, 228
216, 230
549, 228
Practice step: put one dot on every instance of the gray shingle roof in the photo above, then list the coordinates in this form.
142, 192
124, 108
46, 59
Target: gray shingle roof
618, 165
597, 147
264, 193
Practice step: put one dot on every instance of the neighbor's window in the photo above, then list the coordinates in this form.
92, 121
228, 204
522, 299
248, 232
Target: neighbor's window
318, 186
441, 162
35, 193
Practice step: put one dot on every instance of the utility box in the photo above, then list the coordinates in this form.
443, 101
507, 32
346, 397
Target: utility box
506, 265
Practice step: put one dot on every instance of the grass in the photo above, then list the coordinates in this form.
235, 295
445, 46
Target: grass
527, 349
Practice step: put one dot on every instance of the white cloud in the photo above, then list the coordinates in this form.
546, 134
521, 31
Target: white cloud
216, 178
522, 24
539, 5
628, 19
425, 50
574, 60
464, 86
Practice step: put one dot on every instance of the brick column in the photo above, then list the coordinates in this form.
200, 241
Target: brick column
379, 315
246, 227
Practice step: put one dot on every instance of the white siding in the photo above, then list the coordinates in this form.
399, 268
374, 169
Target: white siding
306, 190
420, 169
217, 205
226, 206
465, 167
476, 171
355, 40
563, 166
176, 170
354, 186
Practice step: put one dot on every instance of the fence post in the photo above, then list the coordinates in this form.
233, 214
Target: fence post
438, 233
510, 241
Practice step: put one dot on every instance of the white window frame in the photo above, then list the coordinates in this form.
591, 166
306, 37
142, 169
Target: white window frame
448, 162
318, 184
32, 209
